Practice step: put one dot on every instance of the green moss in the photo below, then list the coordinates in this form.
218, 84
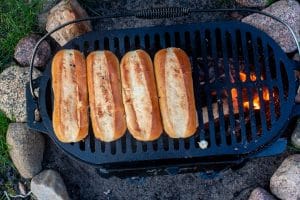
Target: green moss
18, 18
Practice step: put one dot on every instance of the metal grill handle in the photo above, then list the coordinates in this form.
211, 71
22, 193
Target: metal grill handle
168, 12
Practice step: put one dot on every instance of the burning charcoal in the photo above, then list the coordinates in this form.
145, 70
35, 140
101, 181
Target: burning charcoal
211, 75
216, 69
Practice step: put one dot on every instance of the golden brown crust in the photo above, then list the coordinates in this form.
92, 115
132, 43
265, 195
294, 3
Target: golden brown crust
175, 90
69, 84
140, 96
107, 110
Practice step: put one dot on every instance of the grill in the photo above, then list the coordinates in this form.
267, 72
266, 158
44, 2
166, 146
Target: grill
235, 68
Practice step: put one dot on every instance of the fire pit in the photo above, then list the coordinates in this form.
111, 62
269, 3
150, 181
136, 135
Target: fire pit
244, 92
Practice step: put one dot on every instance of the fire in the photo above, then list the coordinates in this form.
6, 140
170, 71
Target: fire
243, 77
256, 103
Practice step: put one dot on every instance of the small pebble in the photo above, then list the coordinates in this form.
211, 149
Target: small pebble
236, 15
203, 144
107, 192
22, 188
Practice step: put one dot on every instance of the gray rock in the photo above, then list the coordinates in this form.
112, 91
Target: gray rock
285, 182
26, 149
24, 50
260, 194
288, 11
295, 139
296, 57
12, 91
48, 4
253, 3
42, 20
49, 185
42, 16
297, 98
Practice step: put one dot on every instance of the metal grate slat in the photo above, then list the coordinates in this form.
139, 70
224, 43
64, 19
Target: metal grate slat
239, 88
259, 88
196, 46
228, 85
279, 81
269, 81
221, 134
249, 91
207, 89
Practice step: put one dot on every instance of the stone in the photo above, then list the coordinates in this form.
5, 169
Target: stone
24, 51
49, 185
12, 91
42, 16
253, 3
295, 139
64, 12
285, 182
297, 98
42, 20
26, 149
296, 57
288, 11
22, 188
260, 194
236, 15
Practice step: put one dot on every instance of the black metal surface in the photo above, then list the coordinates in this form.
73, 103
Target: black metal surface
232, 44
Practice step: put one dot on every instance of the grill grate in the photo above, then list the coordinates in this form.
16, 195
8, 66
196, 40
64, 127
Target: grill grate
218, 53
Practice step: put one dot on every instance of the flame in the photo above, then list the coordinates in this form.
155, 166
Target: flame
256, 102
243, 77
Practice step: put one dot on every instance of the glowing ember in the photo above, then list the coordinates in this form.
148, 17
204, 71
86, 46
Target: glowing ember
256, 103
243, 77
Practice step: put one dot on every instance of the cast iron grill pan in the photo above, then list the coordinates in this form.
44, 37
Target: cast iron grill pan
232, 46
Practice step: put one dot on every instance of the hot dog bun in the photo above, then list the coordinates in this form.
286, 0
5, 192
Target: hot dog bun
69, 84
140, 96
105, 97
175, 91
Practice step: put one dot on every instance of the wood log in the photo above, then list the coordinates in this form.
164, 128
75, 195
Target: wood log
65, 11
215, 109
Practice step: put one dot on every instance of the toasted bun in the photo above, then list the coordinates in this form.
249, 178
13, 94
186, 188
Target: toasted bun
105, 97
175, 90
140, 96
69, 84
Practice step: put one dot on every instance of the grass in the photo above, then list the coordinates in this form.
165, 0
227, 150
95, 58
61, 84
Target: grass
270, 2
5, 161
4, 156
18, 18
